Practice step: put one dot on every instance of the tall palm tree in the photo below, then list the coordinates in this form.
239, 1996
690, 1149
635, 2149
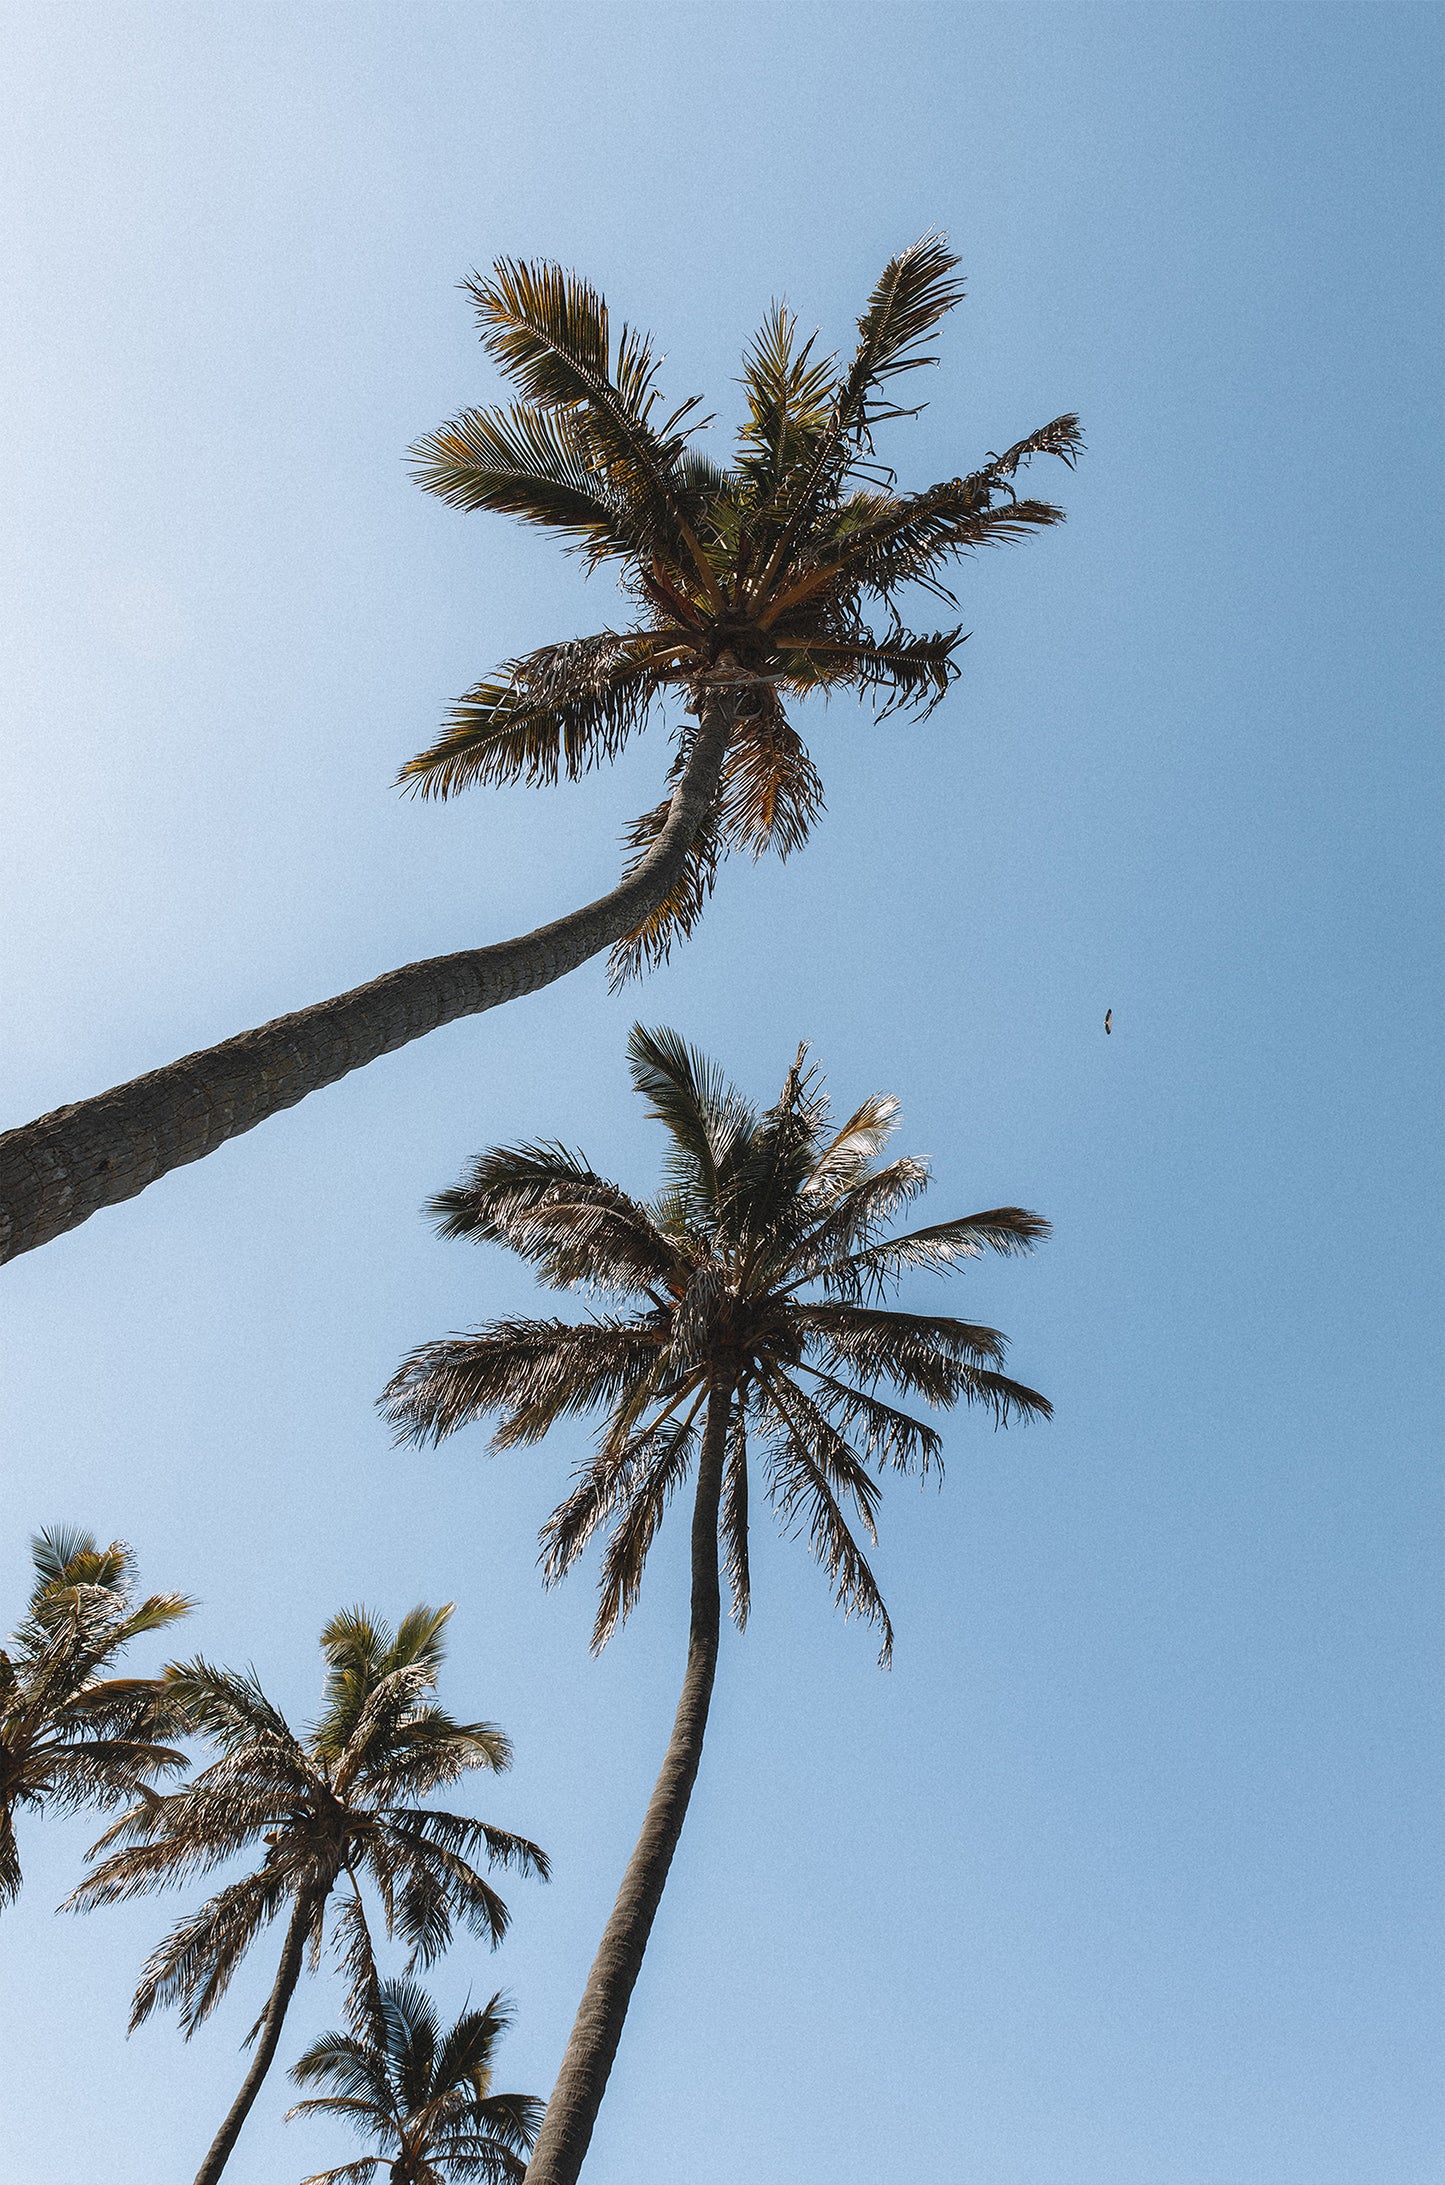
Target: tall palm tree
345, 1804
739, 1337
71, 1736
745, 585
423, 2094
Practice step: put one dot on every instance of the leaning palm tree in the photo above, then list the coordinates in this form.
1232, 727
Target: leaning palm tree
779, 576
71, 1736
739, 1338
343, 1805
421, 2093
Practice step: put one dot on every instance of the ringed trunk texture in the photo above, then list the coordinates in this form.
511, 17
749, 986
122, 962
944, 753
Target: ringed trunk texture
287, 1974
58, 1171
566, 2130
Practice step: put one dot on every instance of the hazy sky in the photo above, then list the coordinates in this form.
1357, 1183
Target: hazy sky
1128, 1870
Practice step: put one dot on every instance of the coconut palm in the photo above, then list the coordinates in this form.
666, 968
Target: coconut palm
739, 1337
422, 2093
71, 1736
343, 1805
779, 576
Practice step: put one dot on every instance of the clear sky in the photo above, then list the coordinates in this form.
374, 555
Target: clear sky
1127, 1871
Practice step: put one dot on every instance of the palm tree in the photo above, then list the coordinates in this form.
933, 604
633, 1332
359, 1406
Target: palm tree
739, 1330
343, 1804
745, 584
423, 2094
71, 1736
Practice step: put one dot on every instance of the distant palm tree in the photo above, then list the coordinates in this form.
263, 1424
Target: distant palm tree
70, 1736
746, 1333
423, 2094
746, 584
344, 1804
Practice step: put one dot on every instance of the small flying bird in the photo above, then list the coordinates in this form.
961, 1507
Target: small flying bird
1108, 1020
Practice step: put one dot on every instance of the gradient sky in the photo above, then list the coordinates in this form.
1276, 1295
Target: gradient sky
1128, 1869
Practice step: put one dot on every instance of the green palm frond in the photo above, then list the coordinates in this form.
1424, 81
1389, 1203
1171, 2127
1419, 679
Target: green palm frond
526, 462
790, 403
421, 2090
549, 331
71, 1736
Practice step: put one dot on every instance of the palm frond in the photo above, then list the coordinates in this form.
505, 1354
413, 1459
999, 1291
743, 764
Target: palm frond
547, 1204
529, 1373
733, 1519
873, 1269
655, 1481
890, 1436
806, 1459
914, 292
770, 793
705, 1116
789, 396
555, 713
650, 944
526, 462
550, 333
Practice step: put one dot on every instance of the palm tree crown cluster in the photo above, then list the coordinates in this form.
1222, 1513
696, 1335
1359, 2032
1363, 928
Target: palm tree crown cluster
781, 575
740, 1342
339, 1815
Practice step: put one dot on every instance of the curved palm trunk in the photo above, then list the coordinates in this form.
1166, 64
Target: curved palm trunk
58, 1171
566, 2130
287, 1974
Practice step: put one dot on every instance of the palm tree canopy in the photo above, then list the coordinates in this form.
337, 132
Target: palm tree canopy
422, 2092
789, 569
346, 1800
762, 1272
71, 1736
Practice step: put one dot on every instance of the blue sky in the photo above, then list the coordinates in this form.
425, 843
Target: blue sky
1128, 1870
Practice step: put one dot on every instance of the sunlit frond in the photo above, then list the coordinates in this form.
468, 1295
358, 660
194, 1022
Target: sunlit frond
559, 712
549, 1205
526, 462
549, 331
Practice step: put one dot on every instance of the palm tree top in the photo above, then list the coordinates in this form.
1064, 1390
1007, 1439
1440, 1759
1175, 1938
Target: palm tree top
421, 2091
783, 574
760, 1274
344, 1800
71, 1734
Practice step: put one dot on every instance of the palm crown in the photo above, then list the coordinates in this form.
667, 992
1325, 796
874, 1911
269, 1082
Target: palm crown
783, 574
344, 1802
71, 1736
755, 1281
422, 2092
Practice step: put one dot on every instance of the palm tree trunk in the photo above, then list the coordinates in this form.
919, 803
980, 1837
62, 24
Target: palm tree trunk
288, 1973
58, 1171
566, 2130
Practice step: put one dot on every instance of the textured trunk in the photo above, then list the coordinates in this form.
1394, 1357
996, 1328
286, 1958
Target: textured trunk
56, 1172
566, 2130
288, 1973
